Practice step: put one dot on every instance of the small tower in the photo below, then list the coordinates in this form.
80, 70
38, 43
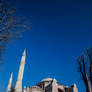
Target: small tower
54, 86
75, 88
18, 86
9, 84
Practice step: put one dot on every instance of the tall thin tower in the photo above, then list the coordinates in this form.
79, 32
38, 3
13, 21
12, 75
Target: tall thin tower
10, 82
18, 86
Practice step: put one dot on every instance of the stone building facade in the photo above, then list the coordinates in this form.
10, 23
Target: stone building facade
46, 85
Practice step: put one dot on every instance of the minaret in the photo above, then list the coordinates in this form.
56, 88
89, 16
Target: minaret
10, 82
54, 86
75, 88
18, 86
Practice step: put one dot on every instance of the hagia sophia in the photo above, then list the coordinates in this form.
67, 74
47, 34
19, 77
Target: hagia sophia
45, 85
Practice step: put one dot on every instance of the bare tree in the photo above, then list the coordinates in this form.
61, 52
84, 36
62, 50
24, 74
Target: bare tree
85, 69
10, 25
89, 52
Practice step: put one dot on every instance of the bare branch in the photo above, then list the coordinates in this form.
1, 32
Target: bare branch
10, 25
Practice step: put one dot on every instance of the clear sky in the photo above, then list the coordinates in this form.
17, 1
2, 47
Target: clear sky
61, 31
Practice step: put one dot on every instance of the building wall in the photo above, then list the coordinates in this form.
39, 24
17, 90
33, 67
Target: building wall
48, 88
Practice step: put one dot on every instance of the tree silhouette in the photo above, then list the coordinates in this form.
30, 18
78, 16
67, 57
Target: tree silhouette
85, 68
10, 25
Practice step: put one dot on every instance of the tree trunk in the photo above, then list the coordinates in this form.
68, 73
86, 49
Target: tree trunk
88, 86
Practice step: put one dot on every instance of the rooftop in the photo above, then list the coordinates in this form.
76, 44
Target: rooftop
47, 79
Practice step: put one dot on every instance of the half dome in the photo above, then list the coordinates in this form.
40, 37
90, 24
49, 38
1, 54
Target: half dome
47, 79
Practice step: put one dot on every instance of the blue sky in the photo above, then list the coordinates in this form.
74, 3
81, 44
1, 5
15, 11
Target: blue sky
61, 31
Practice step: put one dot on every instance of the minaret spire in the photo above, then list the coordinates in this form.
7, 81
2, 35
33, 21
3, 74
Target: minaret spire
18, 86
10, 82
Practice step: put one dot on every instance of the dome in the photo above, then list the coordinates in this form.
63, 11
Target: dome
47, 79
